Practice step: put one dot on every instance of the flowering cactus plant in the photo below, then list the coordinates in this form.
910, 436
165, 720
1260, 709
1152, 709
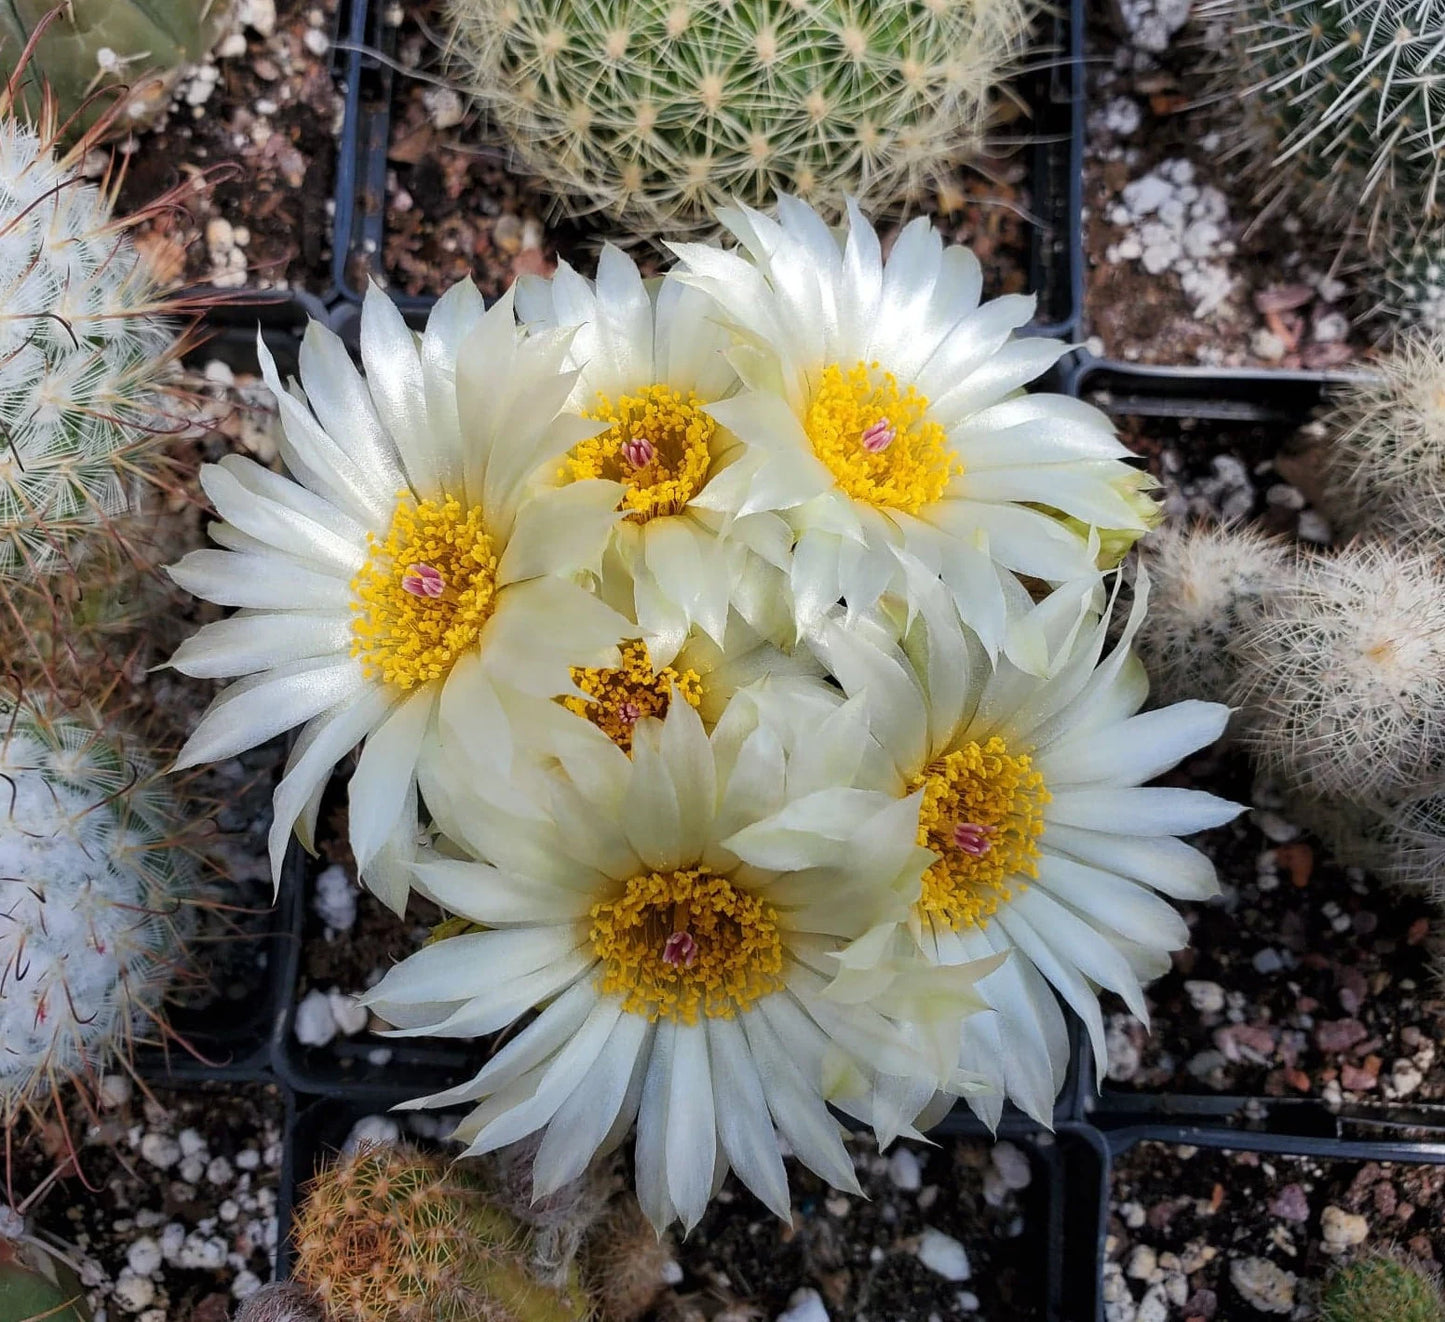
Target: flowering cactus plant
728, 655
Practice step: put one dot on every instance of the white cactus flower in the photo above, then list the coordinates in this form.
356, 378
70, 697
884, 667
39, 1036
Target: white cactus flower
1046, 843
890, 403
677, 917
650, 360
410, 578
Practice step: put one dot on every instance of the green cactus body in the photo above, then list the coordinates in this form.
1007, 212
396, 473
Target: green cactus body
659, 111
92, 898
85, 359
1382, 1288
94, 44
394, 1235
1345, 106
34, 1285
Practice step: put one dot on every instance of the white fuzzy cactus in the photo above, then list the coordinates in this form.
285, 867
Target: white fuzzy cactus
1209, 582
85, 354
94, 902
1385, 461
1342, 676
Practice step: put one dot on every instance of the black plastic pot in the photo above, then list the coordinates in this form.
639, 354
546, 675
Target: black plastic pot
1054, 93
1321, 1148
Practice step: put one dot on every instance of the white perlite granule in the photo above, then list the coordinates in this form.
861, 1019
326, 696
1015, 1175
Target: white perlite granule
1173, 224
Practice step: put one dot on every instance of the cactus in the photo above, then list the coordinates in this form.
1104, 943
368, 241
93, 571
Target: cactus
1382, 1287
395, 1235
281, 1301
1344, 109
1415, 278
93, 894
658, 111
86, 356
139, 46
1342, 676
1385, 461
1208, 584
35, 1282
1414, 839
626, 1262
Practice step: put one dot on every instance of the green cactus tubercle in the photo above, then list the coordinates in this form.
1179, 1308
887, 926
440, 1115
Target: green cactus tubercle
94, 44
659, 111
1382, 1288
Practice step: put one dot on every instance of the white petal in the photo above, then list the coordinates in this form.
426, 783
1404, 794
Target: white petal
342, 404
262, 582
260, 707
245, 643
377, 791
561, 531
1134, 750
691, 1131
1151, 811
743, 1123
582, 1121
394, 376
333, 735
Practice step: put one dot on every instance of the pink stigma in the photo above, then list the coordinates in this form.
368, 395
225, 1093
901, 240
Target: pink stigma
680, 948
423, 581
639, 452
629, 713
972, 838
879, 436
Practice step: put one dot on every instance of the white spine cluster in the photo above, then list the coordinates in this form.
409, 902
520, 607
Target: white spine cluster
1416, 284
1342, 676
1209, 583
1385, 465
92, 903
84, 356
1416, 837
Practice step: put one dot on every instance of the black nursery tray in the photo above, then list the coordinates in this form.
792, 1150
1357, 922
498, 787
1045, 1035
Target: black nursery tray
1052, 88
241, 957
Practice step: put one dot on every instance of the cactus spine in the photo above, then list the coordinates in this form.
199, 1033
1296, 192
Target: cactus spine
1385, 463
139, 46
93, 896
1415, 277
1344, 106
659, 111
395, 1235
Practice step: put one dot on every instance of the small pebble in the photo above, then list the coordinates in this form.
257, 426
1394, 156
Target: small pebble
144, 1256
315, 1024
335, 899
1012, 1166
1264, 1286
804, 1306
943, 1254
904, 1170
160, 1150
1342, 1230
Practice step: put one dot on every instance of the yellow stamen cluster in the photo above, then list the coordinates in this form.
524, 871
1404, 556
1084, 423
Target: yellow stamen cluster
739, 952
622, 697
405, 638
912, 471
985, 786
680, 435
